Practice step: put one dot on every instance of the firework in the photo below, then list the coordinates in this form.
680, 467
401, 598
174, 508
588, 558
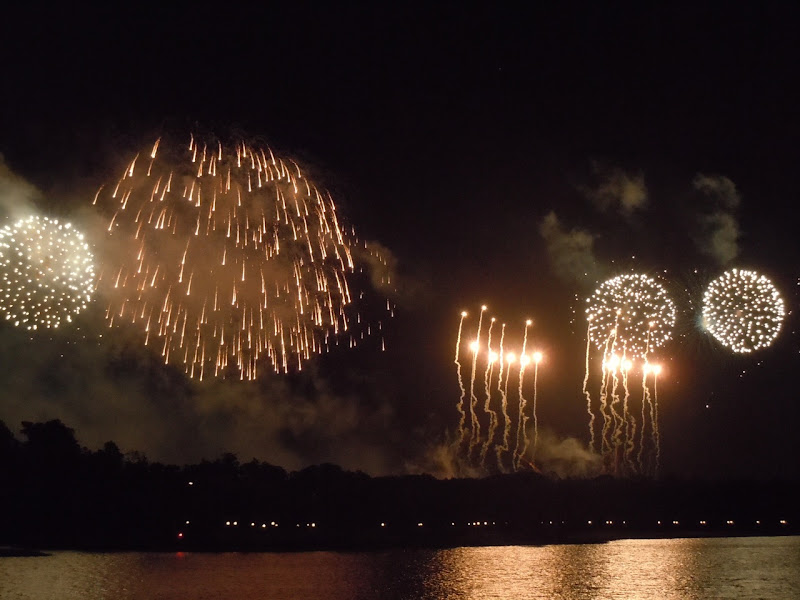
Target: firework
491, 361
629, 316
459, 406
475, 348
633, 312
46, 273
743, 310
224, 257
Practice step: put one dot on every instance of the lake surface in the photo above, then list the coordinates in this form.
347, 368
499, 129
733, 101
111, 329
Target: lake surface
740, 568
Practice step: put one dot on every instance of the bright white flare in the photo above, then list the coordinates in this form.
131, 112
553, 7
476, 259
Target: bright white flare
743, 310
46, 273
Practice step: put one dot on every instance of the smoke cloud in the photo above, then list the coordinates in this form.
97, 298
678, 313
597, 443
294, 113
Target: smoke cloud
17, 196
618, 191
571, 252
718, 229
566, 457
117, 389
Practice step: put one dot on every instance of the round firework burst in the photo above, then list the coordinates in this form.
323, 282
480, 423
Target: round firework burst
46, 273
743, 310
225, 256
630, 313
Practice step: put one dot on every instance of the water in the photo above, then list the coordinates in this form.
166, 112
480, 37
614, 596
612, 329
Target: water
740, 568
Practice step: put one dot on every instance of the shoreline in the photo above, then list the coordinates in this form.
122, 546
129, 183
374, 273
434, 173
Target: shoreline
386, 545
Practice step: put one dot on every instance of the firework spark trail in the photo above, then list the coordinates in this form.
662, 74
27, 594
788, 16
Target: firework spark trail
499, 449
460, 406
637, 464
604, 405
626, 426
229, 256
656, 432
510, 358
645, 403
631, 445
490, 360
46, 273
604, 447
473, 399
494, 420
586, 392
617, 421
522, 435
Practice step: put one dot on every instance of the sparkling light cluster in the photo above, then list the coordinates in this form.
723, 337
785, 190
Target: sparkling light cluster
46, 273
631, 315
226, 256
743, 310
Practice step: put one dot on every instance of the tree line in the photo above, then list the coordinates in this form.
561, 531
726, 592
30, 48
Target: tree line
57, 494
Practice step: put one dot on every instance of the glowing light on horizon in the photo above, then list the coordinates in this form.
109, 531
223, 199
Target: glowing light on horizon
743, 310
46, 273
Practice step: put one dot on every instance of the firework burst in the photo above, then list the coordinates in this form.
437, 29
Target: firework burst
226, 256
46, 273
632, 312
743, 310
628, 317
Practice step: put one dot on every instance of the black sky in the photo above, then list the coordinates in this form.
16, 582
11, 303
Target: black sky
447, 133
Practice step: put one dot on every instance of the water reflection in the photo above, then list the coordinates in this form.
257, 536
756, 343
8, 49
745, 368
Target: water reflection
575, 571
630, 569
690, 569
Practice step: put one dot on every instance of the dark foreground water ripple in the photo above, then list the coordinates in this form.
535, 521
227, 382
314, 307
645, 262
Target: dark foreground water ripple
736, 568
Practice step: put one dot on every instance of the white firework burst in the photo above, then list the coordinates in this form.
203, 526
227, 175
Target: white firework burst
631, 312
743, 310
46, 273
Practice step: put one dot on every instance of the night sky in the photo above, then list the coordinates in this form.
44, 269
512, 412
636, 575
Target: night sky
507, 156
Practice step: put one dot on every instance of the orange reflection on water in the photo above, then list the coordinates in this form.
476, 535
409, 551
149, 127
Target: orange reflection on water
679, 569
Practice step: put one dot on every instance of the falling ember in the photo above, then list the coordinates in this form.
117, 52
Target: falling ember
46, 273
242, 257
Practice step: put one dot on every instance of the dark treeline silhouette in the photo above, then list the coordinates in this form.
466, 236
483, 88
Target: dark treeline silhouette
56, 494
